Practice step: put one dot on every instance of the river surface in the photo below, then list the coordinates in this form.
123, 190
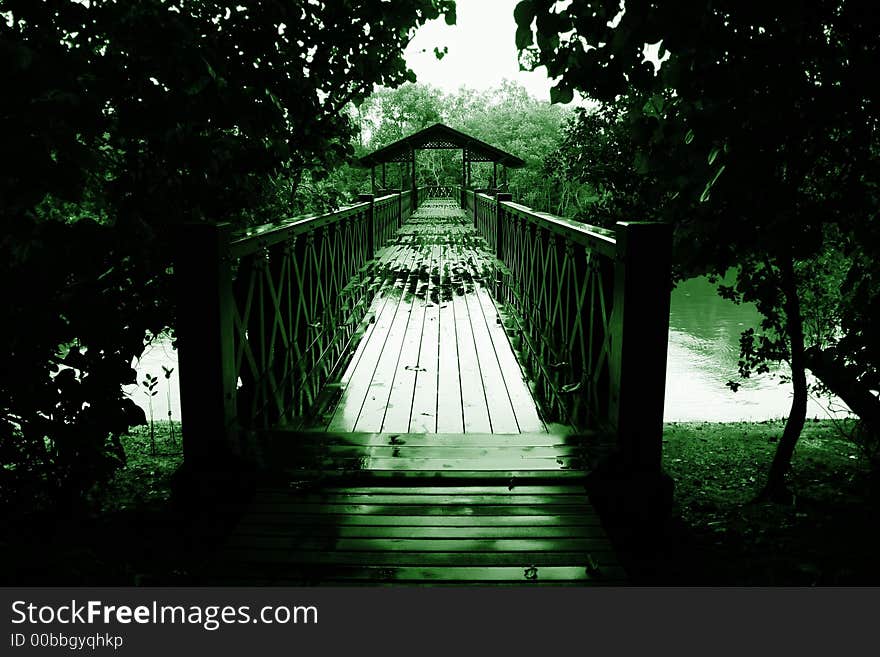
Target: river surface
704, 332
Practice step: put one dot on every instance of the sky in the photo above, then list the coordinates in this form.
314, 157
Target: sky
482, 51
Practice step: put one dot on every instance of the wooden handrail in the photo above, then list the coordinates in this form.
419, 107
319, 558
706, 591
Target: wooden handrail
601, 239
250, 240
267, 314
567, 287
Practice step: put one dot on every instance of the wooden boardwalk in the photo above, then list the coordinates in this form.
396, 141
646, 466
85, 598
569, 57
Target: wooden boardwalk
421, 509
433, 466
434, 357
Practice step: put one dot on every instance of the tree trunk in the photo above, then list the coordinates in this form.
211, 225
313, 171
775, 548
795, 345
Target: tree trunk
775, 488
843, 380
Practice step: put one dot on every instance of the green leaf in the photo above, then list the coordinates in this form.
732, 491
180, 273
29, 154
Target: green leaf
653, 106
524, 13
561, 95
705, 195
274, 99
450, 16
713, 154
198, 86
718, 173
689, 137
210, 68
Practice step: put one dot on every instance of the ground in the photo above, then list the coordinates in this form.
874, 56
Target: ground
128, 535
826, 535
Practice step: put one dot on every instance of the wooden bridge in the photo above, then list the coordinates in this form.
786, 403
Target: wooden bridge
432, 386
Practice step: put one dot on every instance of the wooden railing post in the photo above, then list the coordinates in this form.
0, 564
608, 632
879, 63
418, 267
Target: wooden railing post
399, 208
205, 333
371, 239
499, 242
499, 224
473, 194
413, 187
640, 328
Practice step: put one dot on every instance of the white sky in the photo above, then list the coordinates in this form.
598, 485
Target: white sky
482, 50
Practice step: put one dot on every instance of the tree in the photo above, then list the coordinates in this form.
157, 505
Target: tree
597, 159
391, 114
121, 120
762, 125
509, 118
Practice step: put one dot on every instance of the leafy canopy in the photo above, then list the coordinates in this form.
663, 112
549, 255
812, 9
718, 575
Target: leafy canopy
121, 120
762, 128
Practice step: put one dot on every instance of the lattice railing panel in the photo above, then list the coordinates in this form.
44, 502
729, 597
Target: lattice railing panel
299, 294
406, 208
555, 283
438, 191
386, 219
486, 218
560, 296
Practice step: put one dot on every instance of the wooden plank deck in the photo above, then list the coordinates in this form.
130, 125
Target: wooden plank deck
434, 357
434, 466
435, 509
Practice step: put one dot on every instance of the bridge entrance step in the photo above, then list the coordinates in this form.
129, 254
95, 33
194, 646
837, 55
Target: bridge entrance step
401, 508
479, 534
430, 457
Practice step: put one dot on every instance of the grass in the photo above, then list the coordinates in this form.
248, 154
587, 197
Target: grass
826, 534
129, 534
145, 480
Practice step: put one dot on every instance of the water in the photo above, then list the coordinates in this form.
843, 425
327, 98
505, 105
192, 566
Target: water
704, 332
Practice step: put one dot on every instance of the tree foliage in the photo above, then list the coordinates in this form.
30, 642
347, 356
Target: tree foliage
121, 120
598, 163
762, 126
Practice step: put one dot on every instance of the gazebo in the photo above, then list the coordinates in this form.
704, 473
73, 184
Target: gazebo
440, 136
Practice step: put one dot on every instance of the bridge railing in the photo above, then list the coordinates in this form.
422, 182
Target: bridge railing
566, 288
438, 191
267, 314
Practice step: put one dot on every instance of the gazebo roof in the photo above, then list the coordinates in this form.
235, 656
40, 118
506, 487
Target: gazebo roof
441, 136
